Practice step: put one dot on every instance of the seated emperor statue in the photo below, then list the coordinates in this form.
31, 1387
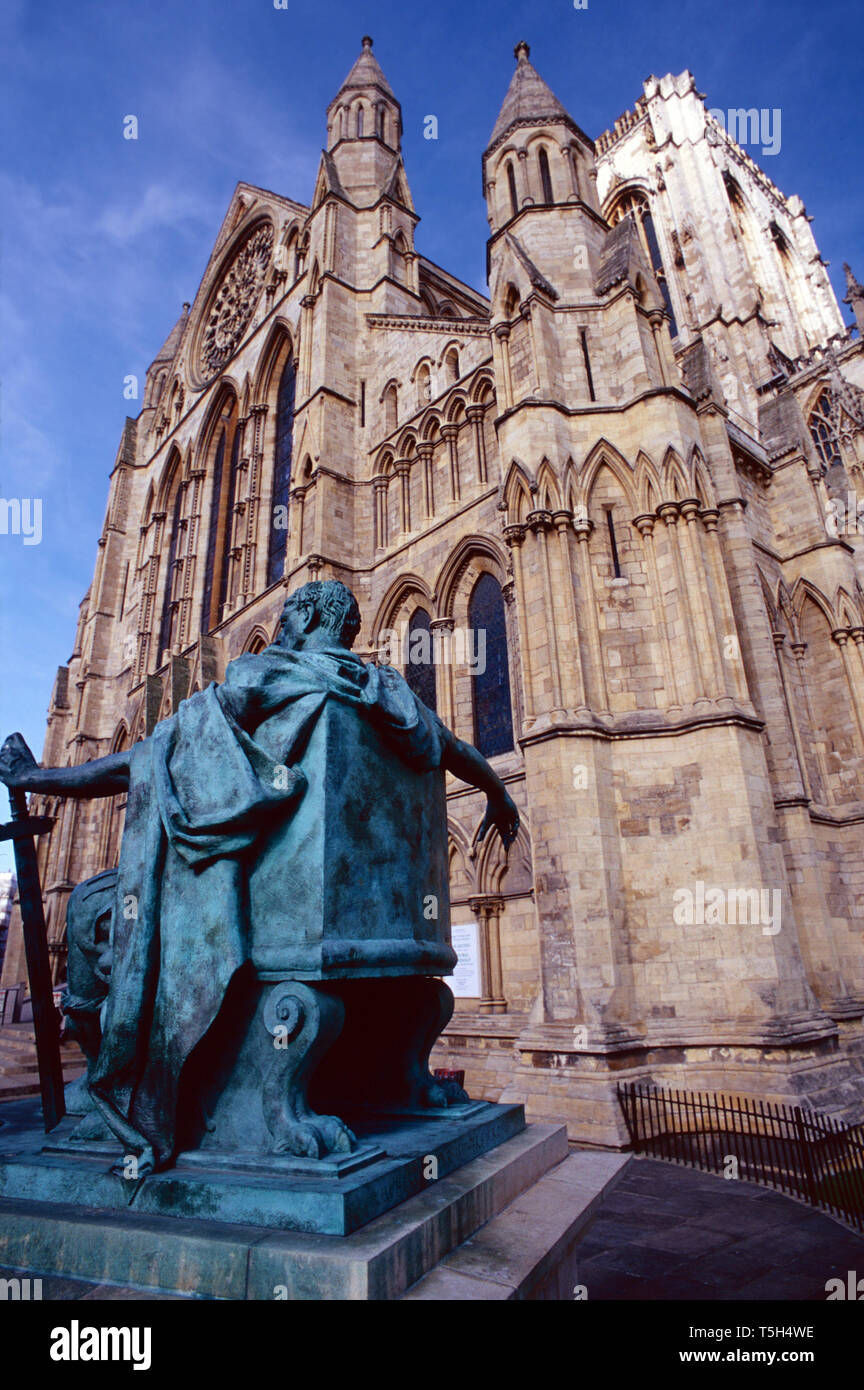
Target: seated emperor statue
283, 863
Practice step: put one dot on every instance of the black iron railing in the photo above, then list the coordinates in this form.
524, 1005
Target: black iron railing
800, 1152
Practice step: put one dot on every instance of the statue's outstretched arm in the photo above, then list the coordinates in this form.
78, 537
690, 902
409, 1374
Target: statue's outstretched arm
465, 762
101, 777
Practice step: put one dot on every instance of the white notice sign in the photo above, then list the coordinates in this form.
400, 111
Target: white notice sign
465, 981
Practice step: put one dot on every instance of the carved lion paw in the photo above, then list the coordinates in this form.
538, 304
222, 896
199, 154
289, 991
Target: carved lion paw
314, 1136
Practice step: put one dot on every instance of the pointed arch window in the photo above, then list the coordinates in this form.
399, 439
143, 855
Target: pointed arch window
633, 203
419, 664
511, 188
228, 522
226, 461
212, 535
169, 606
359, 122
391, 409
278, 541
823, 430
545, 176
493, 712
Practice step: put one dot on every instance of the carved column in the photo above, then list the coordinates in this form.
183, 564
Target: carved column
779, 640
295, 533
475, 414
442, 649
645, 526
726, 625
530, 318
450, 432
248, 578
706, 650
426, 452
402, 470
593, 675
668, 513
569, 155
514, 535
857, 635
798, 650
502, 336
194, 489
841, 636
540, 523
514, 650
574, 695
656, 322
379, 495
307, 305
526, 195
488, 911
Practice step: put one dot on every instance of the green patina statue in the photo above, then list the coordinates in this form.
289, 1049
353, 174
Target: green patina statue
271, 944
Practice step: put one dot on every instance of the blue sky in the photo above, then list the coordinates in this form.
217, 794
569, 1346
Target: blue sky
103, 238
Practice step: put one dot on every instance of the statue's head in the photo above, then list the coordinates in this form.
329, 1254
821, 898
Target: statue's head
319, 614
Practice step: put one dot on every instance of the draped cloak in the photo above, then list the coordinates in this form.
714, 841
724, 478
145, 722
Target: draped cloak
202, 793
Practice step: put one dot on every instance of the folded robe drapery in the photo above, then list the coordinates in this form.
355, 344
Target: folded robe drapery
202, 791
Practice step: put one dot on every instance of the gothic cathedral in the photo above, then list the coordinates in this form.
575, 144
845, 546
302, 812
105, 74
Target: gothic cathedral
610, 513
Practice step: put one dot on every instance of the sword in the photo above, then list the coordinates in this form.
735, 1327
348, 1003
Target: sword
21, 830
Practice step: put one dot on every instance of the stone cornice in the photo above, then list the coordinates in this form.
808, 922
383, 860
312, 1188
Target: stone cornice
472, 327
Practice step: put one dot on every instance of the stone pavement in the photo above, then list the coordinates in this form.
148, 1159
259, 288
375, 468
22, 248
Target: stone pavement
669, 1232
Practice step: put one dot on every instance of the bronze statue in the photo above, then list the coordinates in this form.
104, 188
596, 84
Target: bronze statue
279, 920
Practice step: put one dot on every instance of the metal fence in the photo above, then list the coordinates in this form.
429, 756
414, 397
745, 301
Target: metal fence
800, 1152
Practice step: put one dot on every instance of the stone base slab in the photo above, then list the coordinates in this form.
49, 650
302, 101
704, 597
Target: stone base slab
394, 1161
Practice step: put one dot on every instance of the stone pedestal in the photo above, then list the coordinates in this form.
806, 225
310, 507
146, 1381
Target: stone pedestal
503, 1223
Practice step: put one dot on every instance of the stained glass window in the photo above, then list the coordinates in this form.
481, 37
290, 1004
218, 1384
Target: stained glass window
545, 177
824, 431
493, 715
213, 534
634, 204
169, 576
511, 185
282, 472
419, 663
227, 521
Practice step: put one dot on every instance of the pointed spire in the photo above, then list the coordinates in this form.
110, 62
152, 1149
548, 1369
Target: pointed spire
168, 350
366, 72
528, 99
854, 297
853, 289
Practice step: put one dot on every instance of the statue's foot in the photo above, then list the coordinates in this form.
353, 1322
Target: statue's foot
77, 1097
312, 1136
436, 1093
91, 1127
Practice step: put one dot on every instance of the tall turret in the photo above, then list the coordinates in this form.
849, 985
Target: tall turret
364, 132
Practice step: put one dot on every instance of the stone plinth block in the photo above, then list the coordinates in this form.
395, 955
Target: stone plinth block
356, 882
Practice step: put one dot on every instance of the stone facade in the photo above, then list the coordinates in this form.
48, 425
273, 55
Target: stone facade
647, 436
7, 896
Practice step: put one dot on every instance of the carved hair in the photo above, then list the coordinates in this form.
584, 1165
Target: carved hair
335, 606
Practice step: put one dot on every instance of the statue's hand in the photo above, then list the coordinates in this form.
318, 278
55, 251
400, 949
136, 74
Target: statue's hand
16, 762
501, 812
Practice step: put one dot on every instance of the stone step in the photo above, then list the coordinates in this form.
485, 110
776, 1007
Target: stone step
530, 1251
30, 1066
18, 1088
